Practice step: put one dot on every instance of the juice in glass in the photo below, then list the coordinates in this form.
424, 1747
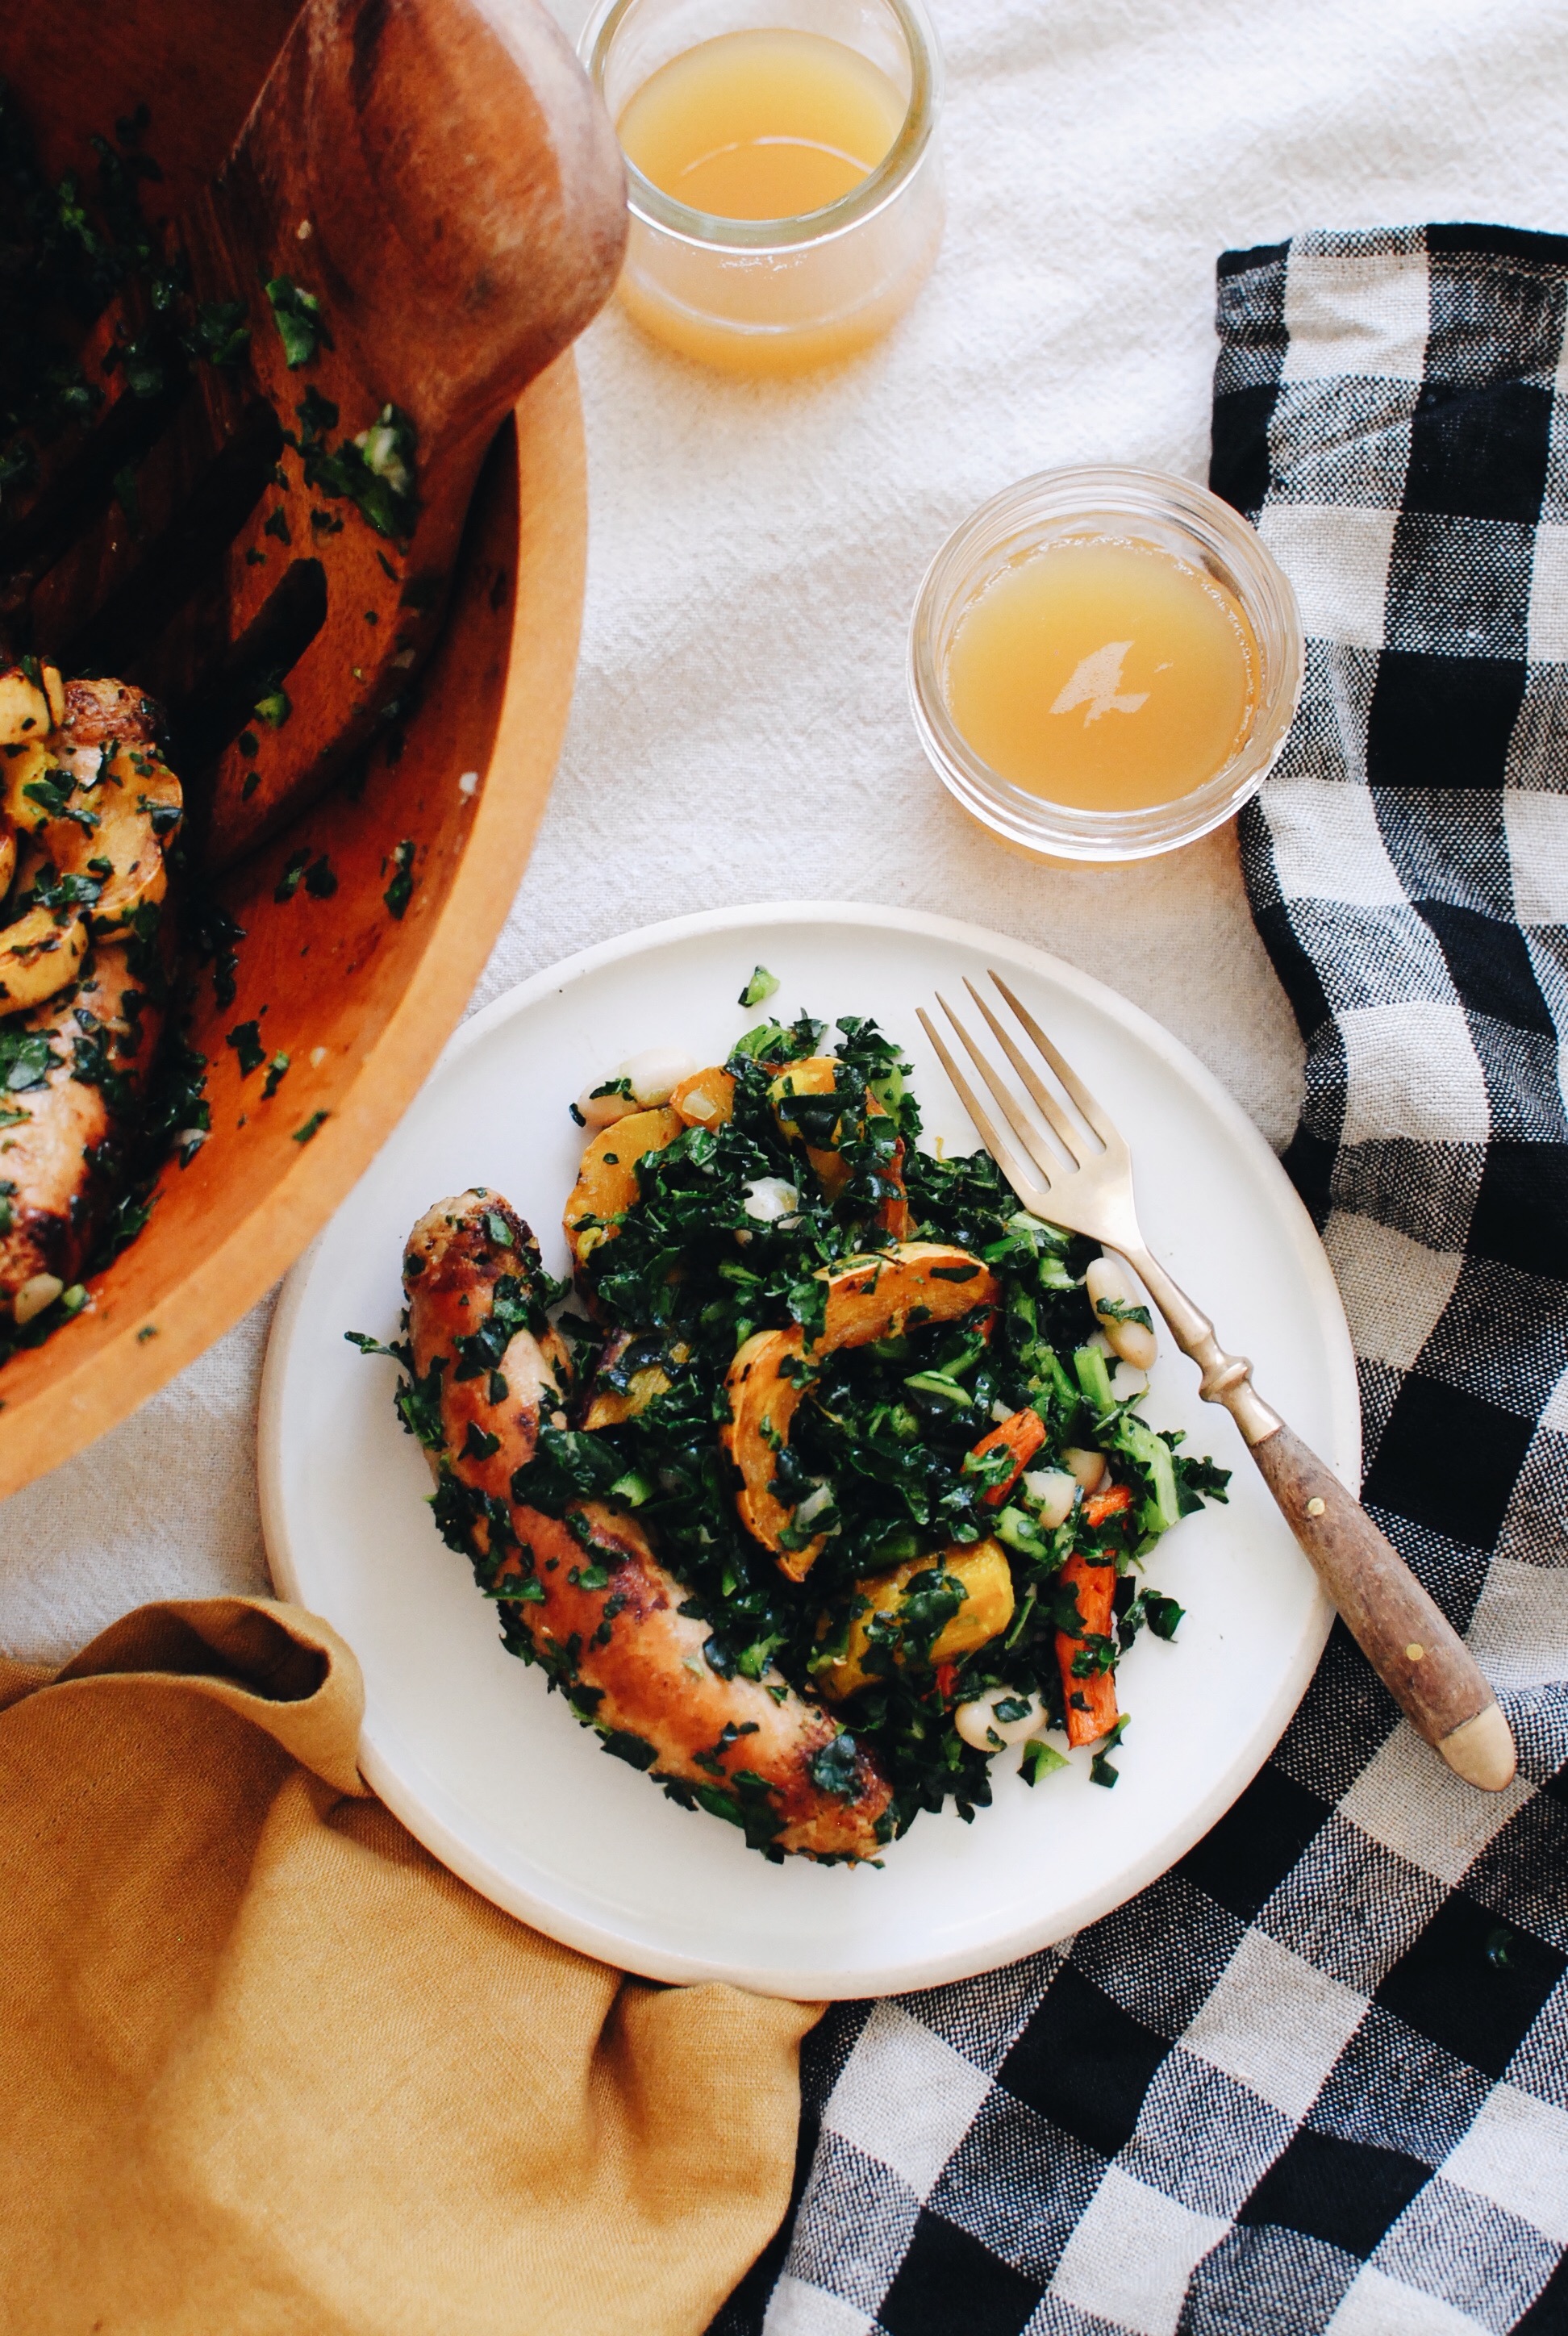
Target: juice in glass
1105, 673
762, 124
783, 171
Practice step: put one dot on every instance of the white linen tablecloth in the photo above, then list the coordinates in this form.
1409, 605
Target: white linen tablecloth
740, 730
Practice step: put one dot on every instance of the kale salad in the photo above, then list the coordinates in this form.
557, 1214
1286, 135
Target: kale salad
934, 1518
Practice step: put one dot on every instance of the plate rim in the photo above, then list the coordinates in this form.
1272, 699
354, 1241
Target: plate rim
806, 1982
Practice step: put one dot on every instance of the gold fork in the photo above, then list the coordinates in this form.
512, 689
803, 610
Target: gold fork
1087, 1188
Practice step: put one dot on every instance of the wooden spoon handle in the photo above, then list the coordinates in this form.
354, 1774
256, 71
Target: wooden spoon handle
460, 190
1415, 1650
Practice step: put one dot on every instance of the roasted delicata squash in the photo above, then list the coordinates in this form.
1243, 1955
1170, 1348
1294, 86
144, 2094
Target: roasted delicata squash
629, 1374
87, 810
704, 1099
984, 1577
821, 1133
607, 1185
867, 1297
39, 957
31, 701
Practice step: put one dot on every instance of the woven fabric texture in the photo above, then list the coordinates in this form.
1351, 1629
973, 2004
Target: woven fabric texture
1317, 2077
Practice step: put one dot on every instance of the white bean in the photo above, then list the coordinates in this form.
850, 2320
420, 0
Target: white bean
977, 1724
769, 1198
655, 1072
598, 1111
34, 1295
1055, 1490
1126, 1383
1088, 1467
1107, 1281
815, 1502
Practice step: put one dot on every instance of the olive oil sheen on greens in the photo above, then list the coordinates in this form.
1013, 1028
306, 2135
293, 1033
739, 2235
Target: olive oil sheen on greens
1105, 673
762, 125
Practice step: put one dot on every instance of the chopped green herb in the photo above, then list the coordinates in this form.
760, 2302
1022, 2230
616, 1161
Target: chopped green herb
759, 988
399, 892
246, 1040
1040, 1760
297, 316
304, 1135
1118, 1309
1102, 1770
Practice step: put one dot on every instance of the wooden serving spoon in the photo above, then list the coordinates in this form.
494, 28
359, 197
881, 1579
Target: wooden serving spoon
437, 178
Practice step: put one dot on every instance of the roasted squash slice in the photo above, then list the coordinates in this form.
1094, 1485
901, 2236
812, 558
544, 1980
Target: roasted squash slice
36, 781
106, 815
987, 1609
868, 1298
916, 1282
706, 1099
25, 708
762, 1404
38, 959
817, 1075
607, 1182
608, 1406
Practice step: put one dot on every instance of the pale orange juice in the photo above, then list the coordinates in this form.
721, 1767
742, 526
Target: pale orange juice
1102, 672
762, 125
758, 135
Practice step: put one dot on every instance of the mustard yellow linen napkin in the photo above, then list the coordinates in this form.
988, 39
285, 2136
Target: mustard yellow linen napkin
265, 2065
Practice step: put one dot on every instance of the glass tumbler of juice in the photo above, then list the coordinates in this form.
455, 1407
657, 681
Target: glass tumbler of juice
1104, 663
783, 171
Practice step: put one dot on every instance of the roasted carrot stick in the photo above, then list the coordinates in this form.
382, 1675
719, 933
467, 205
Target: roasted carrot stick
1022, 1436
1101, 1505
1094, 1714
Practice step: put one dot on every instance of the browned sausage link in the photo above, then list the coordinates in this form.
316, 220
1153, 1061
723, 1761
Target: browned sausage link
617, 1638
450, 1265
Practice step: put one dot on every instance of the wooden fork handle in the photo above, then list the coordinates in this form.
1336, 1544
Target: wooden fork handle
1409, 1642
1411, 1645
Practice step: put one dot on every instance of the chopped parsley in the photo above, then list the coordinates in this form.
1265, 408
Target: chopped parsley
399, 892
297, 314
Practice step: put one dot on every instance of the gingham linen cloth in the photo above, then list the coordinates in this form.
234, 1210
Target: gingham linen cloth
1317, 2077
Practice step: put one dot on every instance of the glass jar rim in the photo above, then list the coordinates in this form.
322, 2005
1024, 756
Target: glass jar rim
654, 209
1100, 493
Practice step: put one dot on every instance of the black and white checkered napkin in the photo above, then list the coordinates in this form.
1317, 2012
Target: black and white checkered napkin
1317, 2078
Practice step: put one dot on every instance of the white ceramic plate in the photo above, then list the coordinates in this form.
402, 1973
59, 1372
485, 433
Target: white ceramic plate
497, 1779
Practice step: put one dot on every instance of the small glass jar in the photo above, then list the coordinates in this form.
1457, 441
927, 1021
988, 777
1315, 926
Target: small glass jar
1118, 505
779, 296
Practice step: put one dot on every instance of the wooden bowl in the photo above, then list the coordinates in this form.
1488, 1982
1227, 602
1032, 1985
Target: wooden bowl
360, 999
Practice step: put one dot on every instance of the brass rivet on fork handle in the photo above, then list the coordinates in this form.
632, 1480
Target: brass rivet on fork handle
1068, 1163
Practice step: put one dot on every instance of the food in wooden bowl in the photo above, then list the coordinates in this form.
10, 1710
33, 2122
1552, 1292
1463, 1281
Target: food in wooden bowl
301, 501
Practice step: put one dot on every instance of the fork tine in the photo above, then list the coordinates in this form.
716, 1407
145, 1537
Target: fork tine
1013, 1112
1070, 1137
1028, 1190
1105, 1128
